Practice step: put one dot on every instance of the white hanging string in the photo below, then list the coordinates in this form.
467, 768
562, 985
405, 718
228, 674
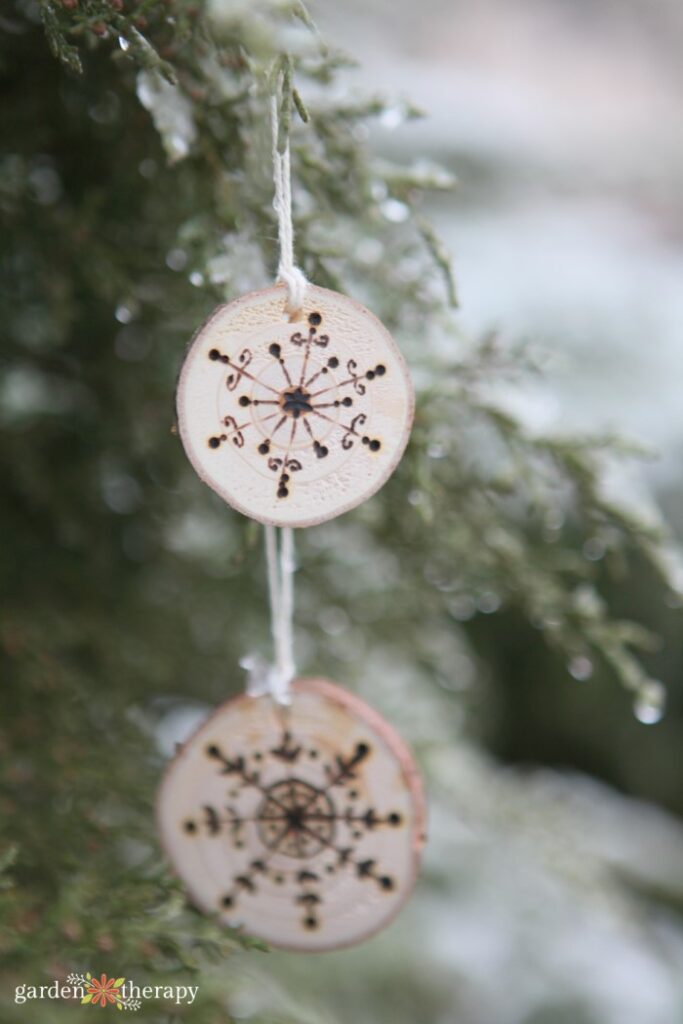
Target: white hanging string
288, 272
264, 678
286, 625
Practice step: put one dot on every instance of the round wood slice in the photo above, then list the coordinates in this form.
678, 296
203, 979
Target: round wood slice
293, 423
302, 826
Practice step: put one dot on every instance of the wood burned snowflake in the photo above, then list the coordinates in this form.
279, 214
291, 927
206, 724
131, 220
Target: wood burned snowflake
305, 831
306, 412
293, 423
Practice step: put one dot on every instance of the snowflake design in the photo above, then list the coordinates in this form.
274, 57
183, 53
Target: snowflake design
315, 827
302, 411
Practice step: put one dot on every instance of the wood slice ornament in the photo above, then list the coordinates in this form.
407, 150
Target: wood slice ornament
294, 422
303, 826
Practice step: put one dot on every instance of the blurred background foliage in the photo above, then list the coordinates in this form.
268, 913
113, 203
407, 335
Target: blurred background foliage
503, 600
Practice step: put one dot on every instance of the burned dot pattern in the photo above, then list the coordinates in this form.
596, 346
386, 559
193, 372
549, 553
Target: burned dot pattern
293, 825
296, 423
302, 402
298, 820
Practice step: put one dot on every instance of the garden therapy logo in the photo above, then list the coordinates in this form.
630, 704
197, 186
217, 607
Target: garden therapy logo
106, 991
122, 993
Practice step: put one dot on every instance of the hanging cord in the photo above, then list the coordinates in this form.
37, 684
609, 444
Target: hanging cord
263, 677
281, 565
288, 272
281, 588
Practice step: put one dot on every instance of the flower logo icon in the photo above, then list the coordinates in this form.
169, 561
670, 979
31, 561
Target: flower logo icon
106, 990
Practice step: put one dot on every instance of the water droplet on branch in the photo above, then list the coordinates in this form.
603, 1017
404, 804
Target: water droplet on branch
650, 702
